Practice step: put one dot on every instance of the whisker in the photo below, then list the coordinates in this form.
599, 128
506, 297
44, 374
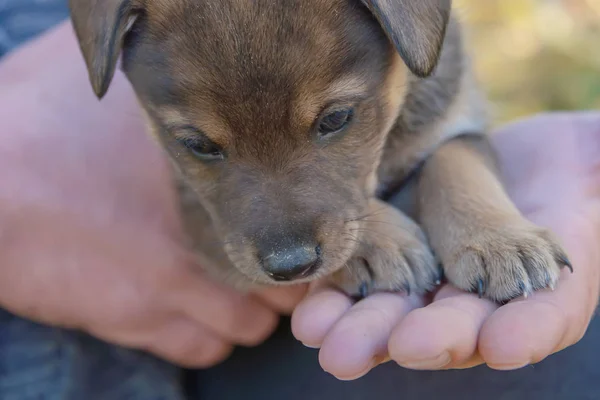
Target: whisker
362, 217
383, 222
372, 231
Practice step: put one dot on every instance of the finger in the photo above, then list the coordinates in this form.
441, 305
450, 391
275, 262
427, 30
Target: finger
240, 319
527, 331
175, 339
187, 344
358, 340
282, 300
521, 333
442, 334
474, 361
316, 315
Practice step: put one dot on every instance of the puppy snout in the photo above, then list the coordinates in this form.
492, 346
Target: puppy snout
292, 262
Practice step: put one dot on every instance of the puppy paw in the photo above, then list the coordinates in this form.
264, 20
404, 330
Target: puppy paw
393, 256
508, 262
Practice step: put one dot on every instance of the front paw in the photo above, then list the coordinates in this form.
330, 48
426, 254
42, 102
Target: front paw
393, 256
507, 262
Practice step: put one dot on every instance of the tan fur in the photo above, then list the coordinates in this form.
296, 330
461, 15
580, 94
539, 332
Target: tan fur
251, 81
396, 86
483, 241
393, 255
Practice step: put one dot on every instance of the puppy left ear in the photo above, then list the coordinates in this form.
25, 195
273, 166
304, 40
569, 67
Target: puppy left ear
416, 28
100, 27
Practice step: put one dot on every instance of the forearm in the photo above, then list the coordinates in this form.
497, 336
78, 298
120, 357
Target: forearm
58, 143
51, 69
55, 47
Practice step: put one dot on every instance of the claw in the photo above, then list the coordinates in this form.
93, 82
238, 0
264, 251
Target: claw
363, 290
549, 281
563, 260
407, 289
480, 286
440, 277
523, 290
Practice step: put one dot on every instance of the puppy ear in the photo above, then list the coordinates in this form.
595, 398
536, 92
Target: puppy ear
100, 27
416, 28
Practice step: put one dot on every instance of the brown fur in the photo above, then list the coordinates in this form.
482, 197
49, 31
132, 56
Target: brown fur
254, 77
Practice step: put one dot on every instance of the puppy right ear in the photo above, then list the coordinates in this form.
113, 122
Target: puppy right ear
100, 27
416, 28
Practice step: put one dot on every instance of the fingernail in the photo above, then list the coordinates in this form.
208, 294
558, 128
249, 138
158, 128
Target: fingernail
360, 375
433, 363
378, 360
508, 367
310, 347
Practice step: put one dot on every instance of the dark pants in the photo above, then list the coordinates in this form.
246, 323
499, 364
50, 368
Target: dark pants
38, 362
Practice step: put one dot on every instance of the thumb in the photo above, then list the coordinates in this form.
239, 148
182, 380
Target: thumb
283, 299
236, 317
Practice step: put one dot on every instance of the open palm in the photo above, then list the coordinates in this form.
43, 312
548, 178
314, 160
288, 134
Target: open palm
551, 165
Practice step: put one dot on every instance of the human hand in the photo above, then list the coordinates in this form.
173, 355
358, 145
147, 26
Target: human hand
550, 164
89, 235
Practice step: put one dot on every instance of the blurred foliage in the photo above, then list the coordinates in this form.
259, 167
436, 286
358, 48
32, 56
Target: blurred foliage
535, 55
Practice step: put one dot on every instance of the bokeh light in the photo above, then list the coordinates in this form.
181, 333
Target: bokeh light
535, 55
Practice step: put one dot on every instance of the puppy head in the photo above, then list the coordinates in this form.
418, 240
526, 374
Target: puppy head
274, 111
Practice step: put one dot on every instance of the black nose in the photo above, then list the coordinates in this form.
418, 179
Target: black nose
294, 262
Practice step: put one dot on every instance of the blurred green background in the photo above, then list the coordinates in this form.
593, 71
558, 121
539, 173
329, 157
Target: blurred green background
530, 55
535, 55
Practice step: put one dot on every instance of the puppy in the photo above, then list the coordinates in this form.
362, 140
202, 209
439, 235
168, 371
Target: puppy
289, 123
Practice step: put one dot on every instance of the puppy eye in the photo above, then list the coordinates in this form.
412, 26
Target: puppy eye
204, 149
335, 121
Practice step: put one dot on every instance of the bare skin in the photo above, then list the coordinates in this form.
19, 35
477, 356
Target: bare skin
92, 243
554, 185
557, 186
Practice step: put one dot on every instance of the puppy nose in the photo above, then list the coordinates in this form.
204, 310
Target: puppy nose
292, 263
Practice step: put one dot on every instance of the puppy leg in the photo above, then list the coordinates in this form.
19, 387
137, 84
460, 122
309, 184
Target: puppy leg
393, 255
483, 241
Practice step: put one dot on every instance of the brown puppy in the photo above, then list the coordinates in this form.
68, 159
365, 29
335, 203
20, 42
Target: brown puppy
285, 121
